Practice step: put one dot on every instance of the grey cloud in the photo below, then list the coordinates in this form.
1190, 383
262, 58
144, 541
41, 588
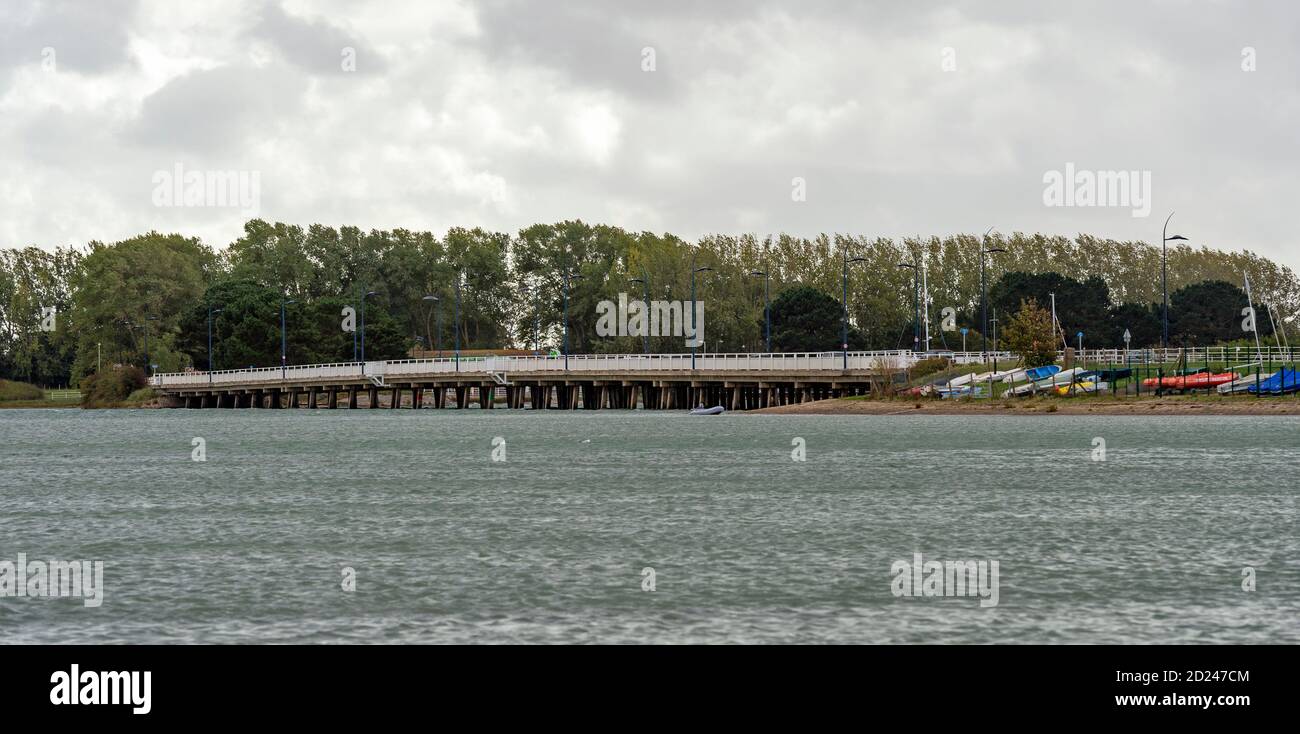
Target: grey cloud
315, 46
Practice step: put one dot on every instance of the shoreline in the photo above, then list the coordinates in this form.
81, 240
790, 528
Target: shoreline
1169, 405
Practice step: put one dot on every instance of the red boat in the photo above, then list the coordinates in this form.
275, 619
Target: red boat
1199, 381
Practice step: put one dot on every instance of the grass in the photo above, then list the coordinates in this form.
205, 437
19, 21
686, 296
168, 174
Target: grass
19, 391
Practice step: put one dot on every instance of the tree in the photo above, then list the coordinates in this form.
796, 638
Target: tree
1141, 321
1030, 335
120, 286
805, 319
1209, 312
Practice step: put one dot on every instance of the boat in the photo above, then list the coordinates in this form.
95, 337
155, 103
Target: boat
1243, 384
1195, 381
1283, 382
1114, 374
1083, 386
1035, 374
715, 410
1053, 381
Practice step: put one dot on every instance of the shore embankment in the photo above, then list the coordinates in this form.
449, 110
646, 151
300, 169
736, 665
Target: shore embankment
1101, 405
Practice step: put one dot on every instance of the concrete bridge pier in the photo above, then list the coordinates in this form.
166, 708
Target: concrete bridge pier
395, 401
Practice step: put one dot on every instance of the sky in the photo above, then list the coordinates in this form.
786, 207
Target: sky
868, 118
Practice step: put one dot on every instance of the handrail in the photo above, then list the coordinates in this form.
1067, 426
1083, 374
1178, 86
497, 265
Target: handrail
792, 361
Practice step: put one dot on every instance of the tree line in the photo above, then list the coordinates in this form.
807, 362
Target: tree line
109, 299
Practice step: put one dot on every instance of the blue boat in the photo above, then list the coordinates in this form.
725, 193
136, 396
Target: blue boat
1284, 382
1041, 373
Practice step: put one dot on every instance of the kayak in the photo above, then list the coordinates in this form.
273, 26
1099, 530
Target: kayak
715, 410
1198, 381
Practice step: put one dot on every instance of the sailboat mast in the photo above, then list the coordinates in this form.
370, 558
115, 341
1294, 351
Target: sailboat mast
1250, 301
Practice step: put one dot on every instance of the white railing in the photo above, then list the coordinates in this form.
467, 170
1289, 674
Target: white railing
635, 363
630, 363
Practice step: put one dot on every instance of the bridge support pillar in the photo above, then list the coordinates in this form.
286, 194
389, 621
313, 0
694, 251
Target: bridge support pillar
372, 398
333, 400
352, 398
396, 401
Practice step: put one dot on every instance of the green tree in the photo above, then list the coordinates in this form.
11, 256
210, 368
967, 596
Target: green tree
805, 319
121, 286
1029, 334
1209, 312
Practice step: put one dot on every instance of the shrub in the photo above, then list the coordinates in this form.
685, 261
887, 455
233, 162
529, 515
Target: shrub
930, 366
112, 386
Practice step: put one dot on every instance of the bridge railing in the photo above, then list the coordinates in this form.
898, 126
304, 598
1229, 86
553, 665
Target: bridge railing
794, 361
633, 363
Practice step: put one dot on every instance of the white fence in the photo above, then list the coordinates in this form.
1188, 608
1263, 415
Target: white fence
634, 363
484, 366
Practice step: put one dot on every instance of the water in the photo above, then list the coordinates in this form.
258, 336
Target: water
747, 545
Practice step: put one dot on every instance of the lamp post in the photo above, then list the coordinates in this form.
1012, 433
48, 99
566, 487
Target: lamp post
568, 276
456, 324
429, 337
211, 311
537, 320
916, 311
1164, 280
644, 280
284, 340
363, 322
695, 328
844, 303
984, 297
767, 300
1079, 336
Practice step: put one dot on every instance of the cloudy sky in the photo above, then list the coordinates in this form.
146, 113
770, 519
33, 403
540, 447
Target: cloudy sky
673, 115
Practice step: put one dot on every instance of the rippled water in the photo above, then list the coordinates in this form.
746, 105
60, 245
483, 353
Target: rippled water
747, 545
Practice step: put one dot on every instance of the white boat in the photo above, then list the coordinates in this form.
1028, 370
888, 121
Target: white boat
1242, 384
1060, 379
715, 410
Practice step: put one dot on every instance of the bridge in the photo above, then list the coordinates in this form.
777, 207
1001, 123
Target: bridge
589, 381
594, 381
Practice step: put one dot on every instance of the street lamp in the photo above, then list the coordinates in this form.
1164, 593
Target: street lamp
456, 324
211, 311
844, 302
767, 312
1164, 279
984, 297
916, 313
284, 342
695, 328
363, 322
568, 276
644, 280
438, 312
